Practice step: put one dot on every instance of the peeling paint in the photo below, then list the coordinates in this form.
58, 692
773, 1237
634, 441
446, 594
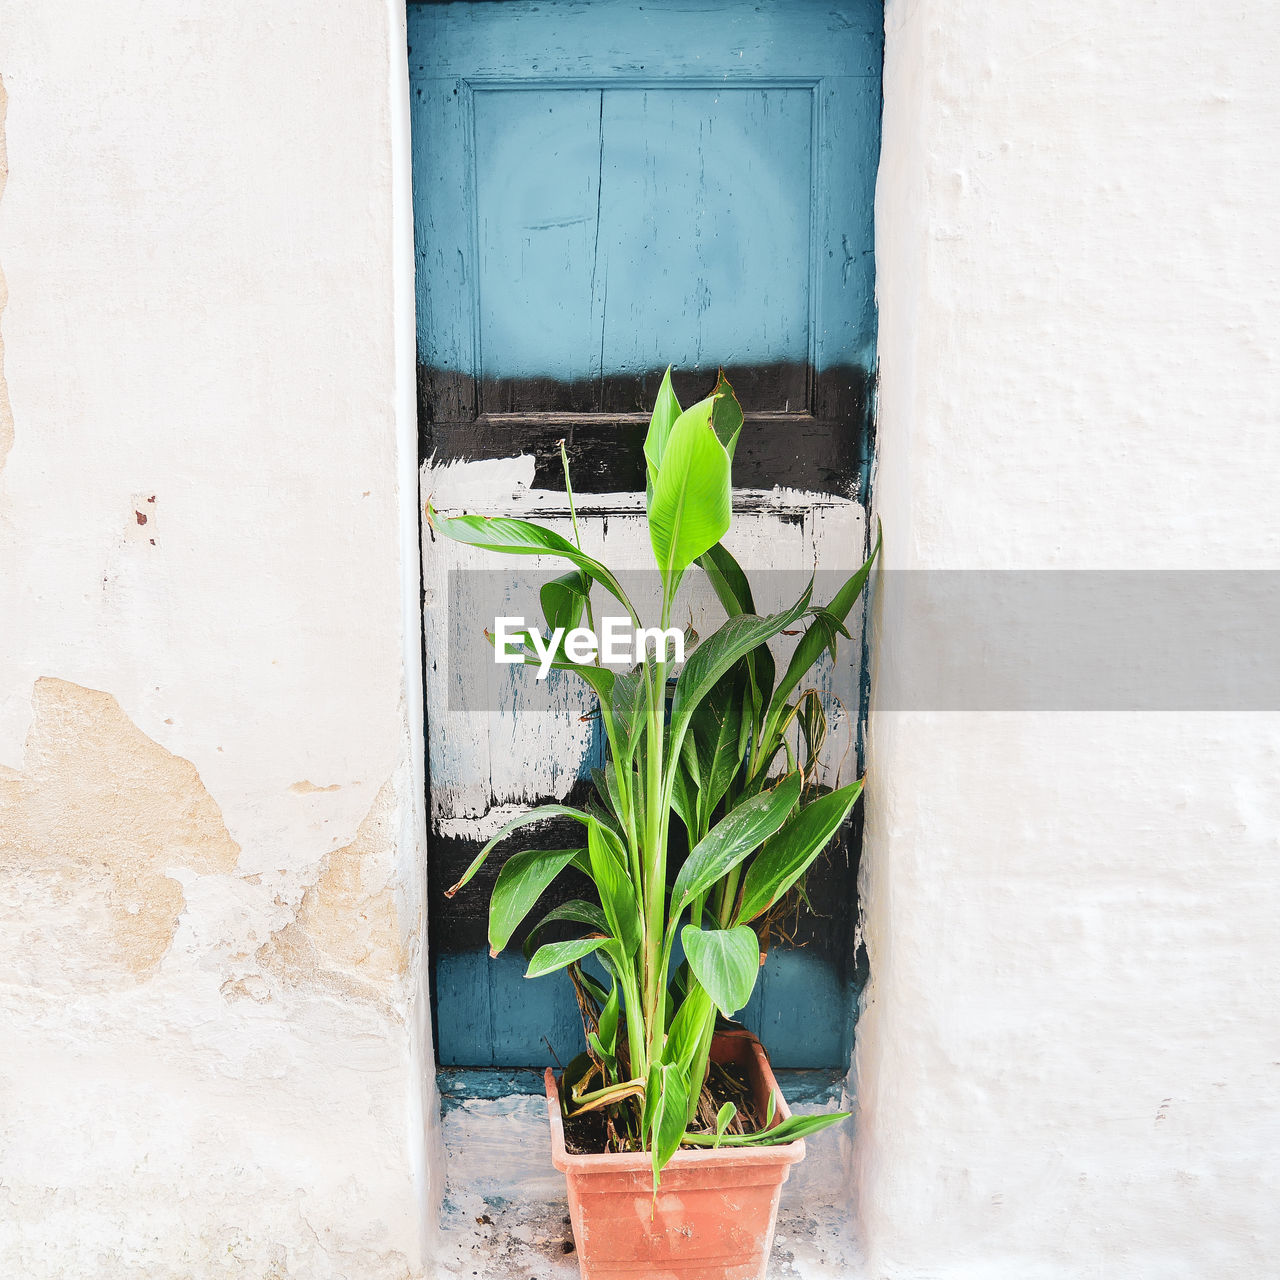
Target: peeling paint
6, 409
306, 787
95, 819
346, 937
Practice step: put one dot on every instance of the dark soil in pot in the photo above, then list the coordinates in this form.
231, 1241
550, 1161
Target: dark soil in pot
587, 1134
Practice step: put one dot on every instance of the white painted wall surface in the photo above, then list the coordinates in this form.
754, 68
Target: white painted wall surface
211, 1019
1069, 1062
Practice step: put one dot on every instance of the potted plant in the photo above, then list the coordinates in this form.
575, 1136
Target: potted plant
692, 1140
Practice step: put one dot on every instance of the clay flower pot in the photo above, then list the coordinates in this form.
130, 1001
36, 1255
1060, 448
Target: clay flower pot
715, 1210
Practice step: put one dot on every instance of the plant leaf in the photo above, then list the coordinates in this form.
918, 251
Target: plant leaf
628, 712
716, 654
726, 415
818, 636
564, 598
715, 732
690, 509
607, 1024
613, 882
575, 910
787, 1131
687, 1027
539, 814
786, 857
666, 1105
725, 961
557, 955
521, 882
739, 833
521, 538
724, 1117
666, 409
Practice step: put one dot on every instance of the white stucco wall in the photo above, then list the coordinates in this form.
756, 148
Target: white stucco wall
1069, 1060
211, 1026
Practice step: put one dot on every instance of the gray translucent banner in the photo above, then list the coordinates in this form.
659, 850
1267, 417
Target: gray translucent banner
962, 640
1090, 640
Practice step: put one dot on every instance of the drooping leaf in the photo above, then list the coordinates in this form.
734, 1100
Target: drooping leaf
725, 961
788, 855
690, 510
557, 955
666, 409
735, 837
538, 814
727, 580
575, 911
521, 882
785, 1131
522, 538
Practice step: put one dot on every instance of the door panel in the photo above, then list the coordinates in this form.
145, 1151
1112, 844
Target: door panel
601, 189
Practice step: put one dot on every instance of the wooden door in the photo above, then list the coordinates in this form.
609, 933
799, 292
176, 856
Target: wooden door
602, 189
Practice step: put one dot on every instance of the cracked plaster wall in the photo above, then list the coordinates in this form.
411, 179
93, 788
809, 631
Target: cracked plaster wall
211, 1020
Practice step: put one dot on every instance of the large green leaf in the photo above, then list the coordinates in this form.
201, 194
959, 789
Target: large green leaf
687, 1027
666, 409
734, 593
575, 911
716, 734
530, 816
716, 654
819, 636
521, 538
559, 955
786, 857
521, 882
727, 580
613, 882
741, 831
725, 961
691, 506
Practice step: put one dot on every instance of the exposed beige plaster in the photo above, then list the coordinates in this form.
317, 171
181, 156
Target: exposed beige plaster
95, 819
346, 935
6, 410
306, 787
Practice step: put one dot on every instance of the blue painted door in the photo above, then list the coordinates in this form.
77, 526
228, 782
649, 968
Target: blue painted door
602, 189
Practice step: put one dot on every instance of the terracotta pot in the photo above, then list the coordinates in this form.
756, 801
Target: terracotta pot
715, 1210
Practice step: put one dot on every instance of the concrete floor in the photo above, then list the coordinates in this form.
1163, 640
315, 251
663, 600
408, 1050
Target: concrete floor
505, 1215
